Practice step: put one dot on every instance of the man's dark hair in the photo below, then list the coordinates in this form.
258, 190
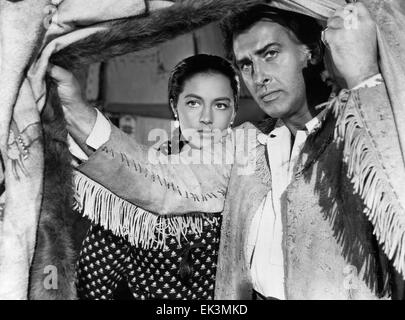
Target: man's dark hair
306, 29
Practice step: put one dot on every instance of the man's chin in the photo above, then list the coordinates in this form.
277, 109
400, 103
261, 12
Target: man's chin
272, 110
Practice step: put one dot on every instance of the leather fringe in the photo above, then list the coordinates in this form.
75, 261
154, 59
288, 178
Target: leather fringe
143, 229
370, 180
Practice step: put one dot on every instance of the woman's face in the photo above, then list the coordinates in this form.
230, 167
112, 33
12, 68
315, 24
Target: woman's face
205, 108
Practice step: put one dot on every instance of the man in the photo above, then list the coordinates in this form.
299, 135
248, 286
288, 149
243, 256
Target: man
294, 228
292, 239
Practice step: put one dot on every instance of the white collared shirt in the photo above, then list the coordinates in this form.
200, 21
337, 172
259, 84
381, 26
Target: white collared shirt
265, 236
99, 135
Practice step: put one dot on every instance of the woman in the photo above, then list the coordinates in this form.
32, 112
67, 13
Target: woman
175, 258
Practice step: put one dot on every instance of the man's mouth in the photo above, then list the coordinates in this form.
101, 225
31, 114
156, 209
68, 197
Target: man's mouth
270, 96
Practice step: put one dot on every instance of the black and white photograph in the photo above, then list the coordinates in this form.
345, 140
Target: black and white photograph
216, 151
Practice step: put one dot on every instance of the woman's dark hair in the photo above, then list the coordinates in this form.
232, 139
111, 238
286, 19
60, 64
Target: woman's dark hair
306, 29
201, 63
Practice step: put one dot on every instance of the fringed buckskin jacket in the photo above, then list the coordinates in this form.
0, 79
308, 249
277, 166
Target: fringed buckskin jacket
342, 231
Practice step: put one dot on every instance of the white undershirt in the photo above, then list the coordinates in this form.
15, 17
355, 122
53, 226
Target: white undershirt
265, 236
99, 135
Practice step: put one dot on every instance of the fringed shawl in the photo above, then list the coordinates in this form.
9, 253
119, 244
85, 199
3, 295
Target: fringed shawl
142, 228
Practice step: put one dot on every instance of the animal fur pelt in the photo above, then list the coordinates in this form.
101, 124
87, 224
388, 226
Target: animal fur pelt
54, 249
138, 33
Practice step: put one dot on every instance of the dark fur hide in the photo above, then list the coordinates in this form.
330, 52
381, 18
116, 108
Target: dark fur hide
133, 34
54, 241
55, 237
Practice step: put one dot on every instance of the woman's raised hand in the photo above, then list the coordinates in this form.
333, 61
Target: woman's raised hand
80, 117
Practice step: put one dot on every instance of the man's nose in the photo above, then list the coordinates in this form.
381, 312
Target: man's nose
206, 115
261, 77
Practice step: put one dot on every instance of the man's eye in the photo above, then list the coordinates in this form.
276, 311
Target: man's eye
193, 103
271, 54
221, 106
246, 68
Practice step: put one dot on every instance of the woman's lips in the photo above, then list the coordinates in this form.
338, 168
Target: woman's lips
205, 132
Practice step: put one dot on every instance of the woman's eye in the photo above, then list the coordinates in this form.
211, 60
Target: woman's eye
193, 103
221, 106
271, 54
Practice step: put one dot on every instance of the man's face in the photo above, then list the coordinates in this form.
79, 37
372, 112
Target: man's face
271, 60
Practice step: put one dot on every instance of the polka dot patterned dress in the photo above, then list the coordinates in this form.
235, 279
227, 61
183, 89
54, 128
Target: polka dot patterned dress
157, 273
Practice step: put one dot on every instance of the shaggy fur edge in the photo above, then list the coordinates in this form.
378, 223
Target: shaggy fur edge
138, 33
54, 241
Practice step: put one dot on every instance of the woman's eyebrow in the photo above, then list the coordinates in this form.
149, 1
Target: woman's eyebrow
192, 95
222, 99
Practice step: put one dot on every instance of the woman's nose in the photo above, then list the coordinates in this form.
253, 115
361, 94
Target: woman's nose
206, 116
